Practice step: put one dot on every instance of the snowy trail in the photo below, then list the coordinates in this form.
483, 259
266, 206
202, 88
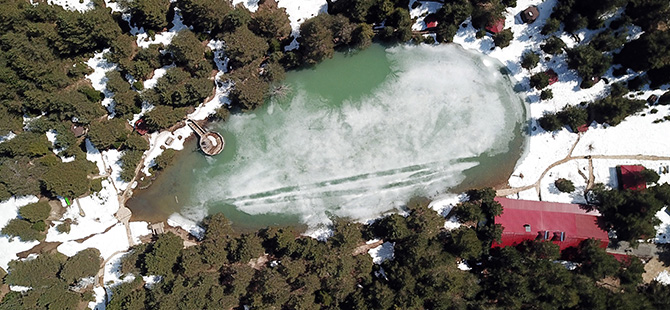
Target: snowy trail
591, 178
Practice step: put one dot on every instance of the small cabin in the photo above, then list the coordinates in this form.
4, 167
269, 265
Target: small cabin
431, 21
583, 128
141, 127
496, 26
530, 14
78, 131
630, 177
652, 99
553, 76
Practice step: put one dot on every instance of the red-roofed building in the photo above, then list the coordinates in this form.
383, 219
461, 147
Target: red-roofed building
561, 223
431, 21
630, 177
553, 76
583, 128
496, 26
141, 127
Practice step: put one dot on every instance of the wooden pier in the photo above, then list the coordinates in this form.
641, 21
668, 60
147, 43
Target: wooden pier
211, 143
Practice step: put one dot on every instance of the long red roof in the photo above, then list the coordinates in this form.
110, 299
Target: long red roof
564, 224
631, 177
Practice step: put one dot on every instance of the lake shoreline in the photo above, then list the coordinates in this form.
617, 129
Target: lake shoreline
353, 89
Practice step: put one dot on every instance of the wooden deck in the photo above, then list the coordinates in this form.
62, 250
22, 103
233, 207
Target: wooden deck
211, 143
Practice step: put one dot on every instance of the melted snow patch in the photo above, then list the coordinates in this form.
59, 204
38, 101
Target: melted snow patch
382, 253
663, 277
298, 11
7, 137
177, 220
74, 5
108, 243
462, 265
12, 245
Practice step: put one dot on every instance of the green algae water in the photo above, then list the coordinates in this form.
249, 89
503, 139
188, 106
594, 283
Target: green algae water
355, 136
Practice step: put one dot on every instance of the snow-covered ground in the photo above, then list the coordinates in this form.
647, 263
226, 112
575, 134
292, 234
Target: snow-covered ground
7, 137
636, 135
11, 246
74, 5
109, 242
177, 220
298, 11
382, 252
544, 148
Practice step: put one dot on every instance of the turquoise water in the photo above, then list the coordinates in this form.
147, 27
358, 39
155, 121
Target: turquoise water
356, 136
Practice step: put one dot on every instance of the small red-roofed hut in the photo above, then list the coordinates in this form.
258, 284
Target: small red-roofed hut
630, 177
431, 21
566, 225
496, 26
583, 128
141, 127
553, 76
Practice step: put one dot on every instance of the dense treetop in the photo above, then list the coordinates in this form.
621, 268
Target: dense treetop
302, 273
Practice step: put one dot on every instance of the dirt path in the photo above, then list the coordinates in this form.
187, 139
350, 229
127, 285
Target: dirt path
366, 247
591, 179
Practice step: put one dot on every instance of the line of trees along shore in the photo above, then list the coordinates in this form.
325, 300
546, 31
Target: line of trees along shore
296, 272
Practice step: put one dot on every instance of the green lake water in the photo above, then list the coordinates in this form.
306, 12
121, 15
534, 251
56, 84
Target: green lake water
355, 136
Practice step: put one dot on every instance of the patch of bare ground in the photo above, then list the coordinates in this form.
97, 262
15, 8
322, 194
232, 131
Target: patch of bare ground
611, 283
652, 269
189, 240
259, 262
42, 247
4, 289
366, 247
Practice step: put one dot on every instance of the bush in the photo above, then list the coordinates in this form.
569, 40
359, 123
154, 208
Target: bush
243, 46
107, 134
546, 94
162, 255
553, 45
39, 272
271, 21
93, 95
649, 176
22, 229
29, 144
40, 226
574, 117
84, 264
588, 61
637, 82
565, 185
187, 50
539, 80
150, 14
613, 110
162, 117
35, 212
96, 185
64, 227
129, 161
552, 25
165, 159
529, 60
503, 38
136, 142
67, 179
